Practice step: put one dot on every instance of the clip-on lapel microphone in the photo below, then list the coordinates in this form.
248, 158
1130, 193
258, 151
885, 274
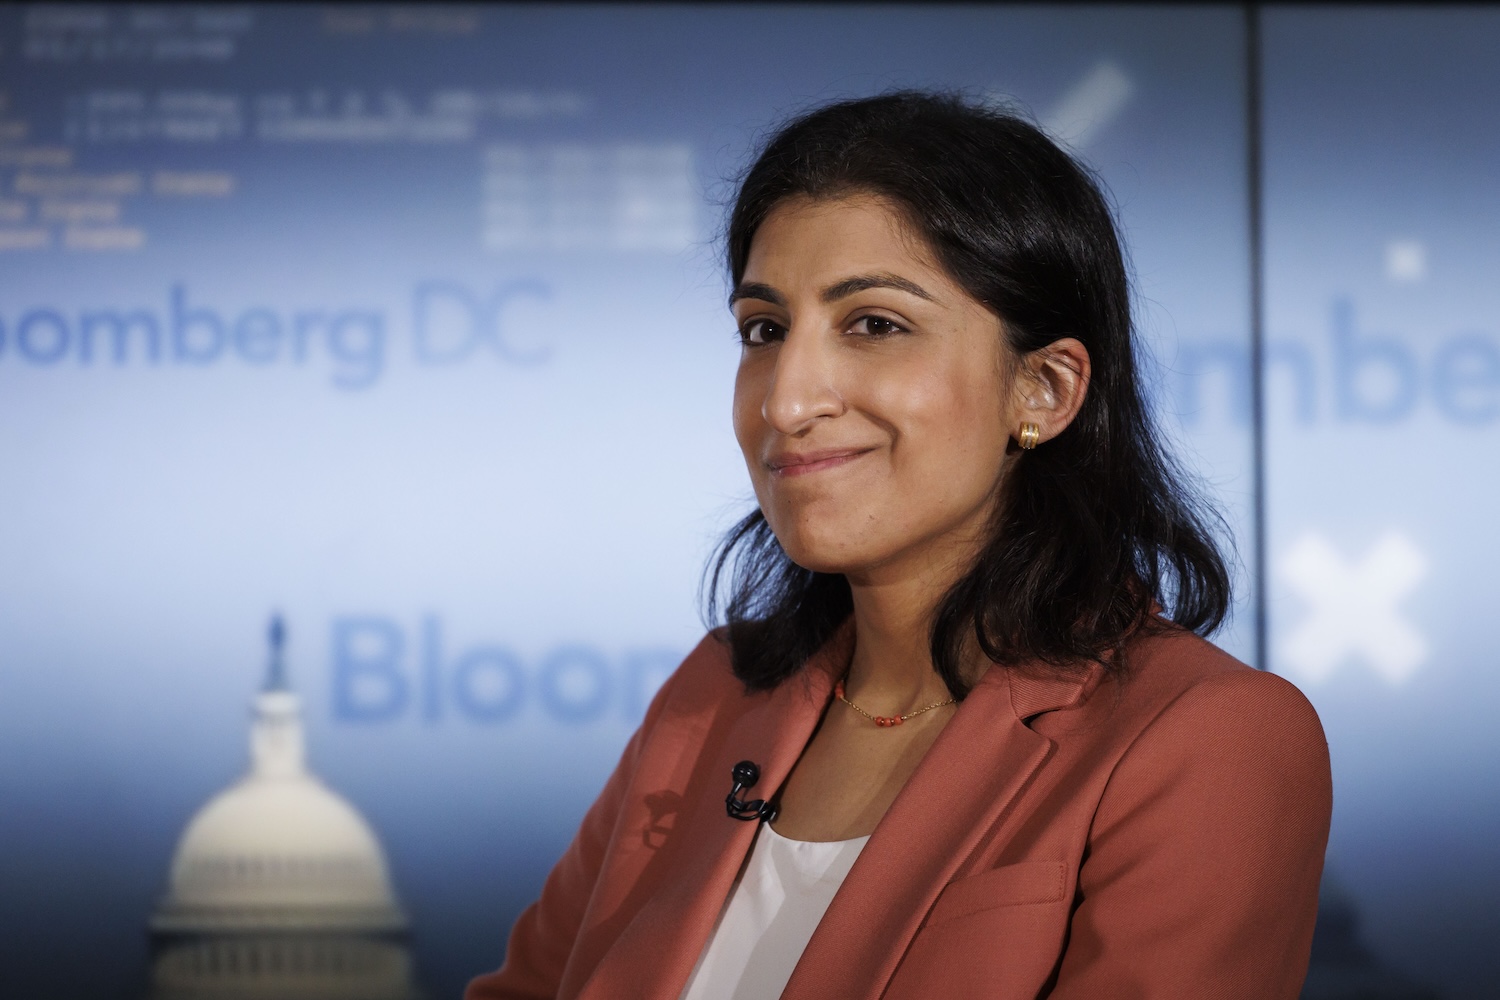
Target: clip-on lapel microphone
745, 775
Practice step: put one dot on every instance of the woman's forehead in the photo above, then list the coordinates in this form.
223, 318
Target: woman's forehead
856, 238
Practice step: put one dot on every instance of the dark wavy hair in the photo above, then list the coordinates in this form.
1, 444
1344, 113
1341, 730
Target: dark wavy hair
1093, 528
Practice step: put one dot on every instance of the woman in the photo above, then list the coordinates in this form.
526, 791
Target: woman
962, 647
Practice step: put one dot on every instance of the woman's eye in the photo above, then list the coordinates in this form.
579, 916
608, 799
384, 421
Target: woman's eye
876, 326
759, 331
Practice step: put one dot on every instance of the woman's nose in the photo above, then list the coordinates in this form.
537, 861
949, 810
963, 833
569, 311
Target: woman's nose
803, 385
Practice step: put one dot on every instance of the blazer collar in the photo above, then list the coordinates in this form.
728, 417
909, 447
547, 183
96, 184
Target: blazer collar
674, 925
984, 758
1035, 689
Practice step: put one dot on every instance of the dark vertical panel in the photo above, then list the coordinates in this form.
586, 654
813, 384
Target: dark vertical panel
1382, 396
1254, 200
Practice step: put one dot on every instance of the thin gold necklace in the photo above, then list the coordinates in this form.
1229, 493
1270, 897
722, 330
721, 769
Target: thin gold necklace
885, 721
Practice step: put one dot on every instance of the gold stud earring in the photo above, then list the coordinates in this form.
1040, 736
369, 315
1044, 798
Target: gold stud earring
1030, 435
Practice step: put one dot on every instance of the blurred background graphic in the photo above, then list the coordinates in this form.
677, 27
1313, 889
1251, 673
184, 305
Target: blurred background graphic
407, 324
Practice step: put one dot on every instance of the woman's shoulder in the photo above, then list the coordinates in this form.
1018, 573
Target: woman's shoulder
701, 683
1170, 665
1180, 694
706, 669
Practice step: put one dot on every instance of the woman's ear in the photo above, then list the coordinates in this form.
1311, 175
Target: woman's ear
1050, 387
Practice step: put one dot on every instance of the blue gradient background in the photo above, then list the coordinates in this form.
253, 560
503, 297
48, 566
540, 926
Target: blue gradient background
553, 493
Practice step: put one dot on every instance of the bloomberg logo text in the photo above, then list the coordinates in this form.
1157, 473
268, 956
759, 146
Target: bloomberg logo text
383, 672
447, 323
1358, 376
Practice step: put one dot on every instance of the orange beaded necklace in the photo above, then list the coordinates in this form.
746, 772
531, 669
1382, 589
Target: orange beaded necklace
885, 721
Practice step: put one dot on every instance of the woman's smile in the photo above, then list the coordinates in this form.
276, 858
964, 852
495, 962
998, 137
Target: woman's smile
788, 464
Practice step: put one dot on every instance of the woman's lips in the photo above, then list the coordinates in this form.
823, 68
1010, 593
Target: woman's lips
805, 463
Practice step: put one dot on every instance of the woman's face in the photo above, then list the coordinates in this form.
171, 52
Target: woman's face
875, 398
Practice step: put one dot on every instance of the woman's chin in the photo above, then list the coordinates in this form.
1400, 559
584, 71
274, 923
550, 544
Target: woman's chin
829, 554
821, 566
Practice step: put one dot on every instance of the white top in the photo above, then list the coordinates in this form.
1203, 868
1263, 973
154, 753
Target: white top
771, 913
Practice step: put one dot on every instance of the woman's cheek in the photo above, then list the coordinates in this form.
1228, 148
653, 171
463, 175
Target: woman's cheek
749, 427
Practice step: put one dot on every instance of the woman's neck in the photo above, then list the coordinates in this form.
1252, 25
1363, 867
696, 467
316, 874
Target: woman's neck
893, 612
891, 671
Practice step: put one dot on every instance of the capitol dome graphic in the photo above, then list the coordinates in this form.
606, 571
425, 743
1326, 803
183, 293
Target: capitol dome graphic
279, 888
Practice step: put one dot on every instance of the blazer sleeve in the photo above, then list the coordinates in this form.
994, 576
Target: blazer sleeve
542, 939
1201, 875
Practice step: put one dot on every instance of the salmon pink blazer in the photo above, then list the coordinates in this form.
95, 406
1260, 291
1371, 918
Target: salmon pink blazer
1071, 837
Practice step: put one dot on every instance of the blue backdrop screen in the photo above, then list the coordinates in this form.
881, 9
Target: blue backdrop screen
408, 323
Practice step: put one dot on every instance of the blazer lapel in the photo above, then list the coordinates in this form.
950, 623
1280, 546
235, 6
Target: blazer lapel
656, 952
970, 777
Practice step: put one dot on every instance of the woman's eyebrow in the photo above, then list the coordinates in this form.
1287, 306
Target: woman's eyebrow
755, 290
835, 291
864, 282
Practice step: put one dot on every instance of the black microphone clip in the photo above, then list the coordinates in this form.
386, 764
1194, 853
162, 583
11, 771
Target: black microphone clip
745, 775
